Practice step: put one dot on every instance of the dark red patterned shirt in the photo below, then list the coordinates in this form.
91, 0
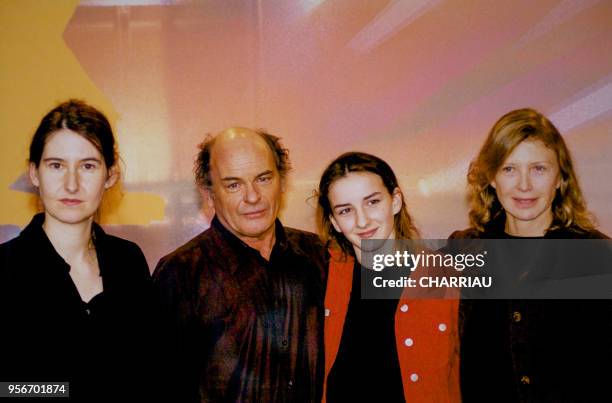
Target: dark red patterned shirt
245, 329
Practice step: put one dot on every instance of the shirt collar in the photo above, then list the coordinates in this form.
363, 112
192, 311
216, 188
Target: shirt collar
279, 233
36, 235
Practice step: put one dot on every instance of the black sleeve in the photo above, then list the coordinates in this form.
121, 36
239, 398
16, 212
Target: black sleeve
173, 340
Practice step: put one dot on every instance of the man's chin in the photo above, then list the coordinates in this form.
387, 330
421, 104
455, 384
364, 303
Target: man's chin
256, 229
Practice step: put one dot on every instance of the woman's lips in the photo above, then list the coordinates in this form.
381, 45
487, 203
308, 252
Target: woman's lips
367, 234
525, 202
71, 202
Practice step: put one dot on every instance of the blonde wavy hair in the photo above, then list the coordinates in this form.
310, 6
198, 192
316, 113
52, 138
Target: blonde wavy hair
568, 206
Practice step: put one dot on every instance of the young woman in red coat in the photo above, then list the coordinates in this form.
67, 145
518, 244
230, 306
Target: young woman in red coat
390, 350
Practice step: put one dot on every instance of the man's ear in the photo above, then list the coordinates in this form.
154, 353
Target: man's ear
33, 172
398, 200
113, 177
335, 223
210, 197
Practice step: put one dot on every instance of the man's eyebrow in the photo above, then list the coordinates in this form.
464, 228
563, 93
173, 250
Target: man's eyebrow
235, 178
264, 173
230, 179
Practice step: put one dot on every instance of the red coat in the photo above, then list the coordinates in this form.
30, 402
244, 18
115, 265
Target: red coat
425, 333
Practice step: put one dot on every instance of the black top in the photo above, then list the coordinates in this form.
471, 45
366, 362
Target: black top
246, 329
50, 334
535, 350
367, 367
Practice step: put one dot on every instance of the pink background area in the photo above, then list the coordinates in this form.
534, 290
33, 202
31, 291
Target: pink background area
418, 83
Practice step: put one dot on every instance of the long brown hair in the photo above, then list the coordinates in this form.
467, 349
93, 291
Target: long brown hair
341, 167
568, 206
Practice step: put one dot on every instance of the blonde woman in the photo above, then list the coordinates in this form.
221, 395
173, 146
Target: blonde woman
523, 185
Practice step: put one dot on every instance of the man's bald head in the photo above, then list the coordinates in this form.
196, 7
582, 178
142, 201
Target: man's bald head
233, 138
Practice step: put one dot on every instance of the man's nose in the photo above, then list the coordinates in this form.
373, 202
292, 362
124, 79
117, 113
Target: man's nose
252, 194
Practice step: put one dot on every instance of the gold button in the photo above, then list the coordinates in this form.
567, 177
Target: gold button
516, 316
525, 380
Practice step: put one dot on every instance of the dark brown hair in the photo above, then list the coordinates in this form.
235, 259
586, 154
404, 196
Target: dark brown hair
358, 162
81, 118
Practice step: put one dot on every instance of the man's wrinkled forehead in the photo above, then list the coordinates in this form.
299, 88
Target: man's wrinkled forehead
240, 153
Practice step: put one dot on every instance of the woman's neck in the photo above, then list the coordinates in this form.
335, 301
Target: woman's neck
528, 228
71, 241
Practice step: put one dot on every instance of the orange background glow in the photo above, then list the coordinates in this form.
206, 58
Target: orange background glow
418, 83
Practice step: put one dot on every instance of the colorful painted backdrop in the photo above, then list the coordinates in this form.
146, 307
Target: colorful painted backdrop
416, 82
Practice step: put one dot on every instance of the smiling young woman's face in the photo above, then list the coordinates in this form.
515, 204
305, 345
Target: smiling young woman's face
363, 208
525, 185
71, 177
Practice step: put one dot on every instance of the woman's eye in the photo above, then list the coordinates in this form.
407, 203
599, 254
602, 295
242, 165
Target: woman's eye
89, 166
373, 202
508, 169
344, 211
539, 168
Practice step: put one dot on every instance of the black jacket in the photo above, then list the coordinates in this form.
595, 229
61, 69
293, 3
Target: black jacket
535, 350
49, 334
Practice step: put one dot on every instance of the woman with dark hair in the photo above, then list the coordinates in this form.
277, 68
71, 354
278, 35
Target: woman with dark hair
74, 301
390, 350
523, 185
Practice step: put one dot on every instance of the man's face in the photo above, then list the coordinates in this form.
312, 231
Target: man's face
246, 186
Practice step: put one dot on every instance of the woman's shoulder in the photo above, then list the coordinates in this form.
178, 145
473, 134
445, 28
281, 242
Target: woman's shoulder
118, 251
469, 233
117, 243
113, 242
338, 256
15, 248
576, 232
8, 252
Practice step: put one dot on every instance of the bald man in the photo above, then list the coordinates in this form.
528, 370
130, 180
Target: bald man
245, 297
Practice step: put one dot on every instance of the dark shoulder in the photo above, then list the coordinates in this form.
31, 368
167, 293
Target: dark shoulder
187, 254
15, 251
311, 247
470, 233
122, 261
304, 242
576, 233
10, 252
10, 245
128, 248
598, 235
